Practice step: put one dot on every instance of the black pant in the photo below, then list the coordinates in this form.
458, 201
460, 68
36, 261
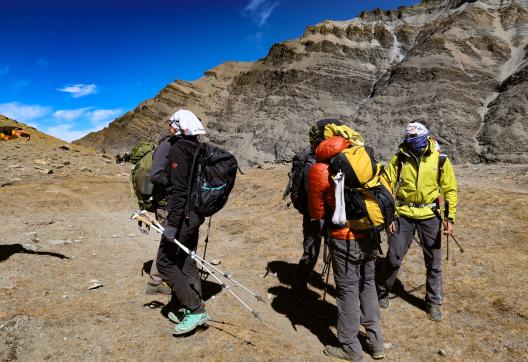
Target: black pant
429, 233
178, 269
311, 247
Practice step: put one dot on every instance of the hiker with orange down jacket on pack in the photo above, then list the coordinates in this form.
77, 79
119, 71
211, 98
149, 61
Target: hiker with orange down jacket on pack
353, 261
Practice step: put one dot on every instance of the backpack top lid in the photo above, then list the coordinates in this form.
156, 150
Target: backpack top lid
327, 128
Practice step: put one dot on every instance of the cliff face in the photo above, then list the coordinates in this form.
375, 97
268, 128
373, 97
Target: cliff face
458, 65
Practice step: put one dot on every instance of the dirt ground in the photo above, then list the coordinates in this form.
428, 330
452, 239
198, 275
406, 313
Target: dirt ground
62, 230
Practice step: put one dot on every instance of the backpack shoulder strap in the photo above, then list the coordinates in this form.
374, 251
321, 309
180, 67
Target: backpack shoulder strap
399, 162
192, 179
441, 161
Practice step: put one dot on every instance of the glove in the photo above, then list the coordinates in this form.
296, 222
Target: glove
170, 232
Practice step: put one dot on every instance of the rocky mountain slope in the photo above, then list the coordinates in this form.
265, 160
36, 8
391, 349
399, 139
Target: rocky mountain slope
45, 159
458, 65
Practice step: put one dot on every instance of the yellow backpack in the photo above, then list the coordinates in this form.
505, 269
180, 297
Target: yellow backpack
369, 204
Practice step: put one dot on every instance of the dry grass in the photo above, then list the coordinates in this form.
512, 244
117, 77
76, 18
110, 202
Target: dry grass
45, 299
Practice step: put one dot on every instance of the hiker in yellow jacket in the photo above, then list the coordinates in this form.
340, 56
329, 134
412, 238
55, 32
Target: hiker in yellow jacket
419, 174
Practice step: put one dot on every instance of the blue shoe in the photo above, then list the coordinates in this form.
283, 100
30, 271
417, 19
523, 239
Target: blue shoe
178, 316
190, 322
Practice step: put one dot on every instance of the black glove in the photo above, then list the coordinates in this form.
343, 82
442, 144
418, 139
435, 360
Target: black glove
170, 232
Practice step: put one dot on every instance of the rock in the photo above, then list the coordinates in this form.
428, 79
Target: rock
14, 166
388, 345
60, 241
64, 147
43, 170
41, 162
5, 183
215, 262
95, 284
31, 236
442, 353
32, 247
85, 169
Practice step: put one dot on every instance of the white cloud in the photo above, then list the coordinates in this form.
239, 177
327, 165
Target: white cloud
254, 4
23, 112
70, 114
102, 115
67, 132
66, 124
4, 69
260, 10
79, 90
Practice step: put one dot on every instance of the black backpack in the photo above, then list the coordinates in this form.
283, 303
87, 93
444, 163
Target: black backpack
295, 187
214, 173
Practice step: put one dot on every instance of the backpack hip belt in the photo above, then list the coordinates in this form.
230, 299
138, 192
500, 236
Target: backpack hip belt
414, 204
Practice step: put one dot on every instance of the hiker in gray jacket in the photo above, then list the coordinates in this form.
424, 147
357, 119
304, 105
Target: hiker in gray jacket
159, 176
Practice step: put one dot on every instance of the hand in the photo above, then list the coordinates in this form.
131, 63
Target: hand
448, 227
391, 230
170, 232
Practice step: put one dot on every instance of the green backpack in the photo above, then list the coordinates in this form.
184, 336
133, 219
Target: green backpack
141, 157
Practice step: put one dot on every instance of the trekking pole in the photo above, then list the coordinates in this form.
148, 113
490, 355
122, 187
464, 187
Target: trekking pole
144, 218
327, 274
326, 260
206, 243
458, 244
447, 243
225, 275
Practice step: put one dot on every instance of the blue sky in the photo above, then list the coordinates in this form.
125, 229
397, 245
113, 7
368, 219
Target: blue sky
71, 67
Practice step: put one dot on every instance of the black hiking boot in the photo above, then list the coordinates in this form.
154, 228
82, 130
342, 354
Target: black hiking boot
340, 353
433, 312
376, 352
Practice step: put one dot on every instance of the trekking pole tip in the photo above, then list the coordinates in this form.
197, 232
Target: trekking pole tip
256, 315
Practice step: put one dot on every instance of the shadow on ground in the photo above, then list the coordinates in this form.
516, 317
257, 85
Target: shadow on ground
399, 291
308, 311
7, 251
287, 272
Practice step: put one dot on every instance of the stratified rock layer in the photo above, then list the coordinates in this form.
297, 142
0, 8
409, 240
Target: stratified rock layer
460, 66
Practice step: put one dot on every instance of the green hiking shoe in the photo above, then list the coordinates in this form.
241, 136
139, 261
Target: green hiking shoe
340, 353
190, 322
161, 288
433, 312
178, 316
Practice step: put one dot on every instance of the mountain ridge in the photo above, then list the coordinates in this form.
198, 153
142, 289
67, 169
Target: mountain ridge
440, 61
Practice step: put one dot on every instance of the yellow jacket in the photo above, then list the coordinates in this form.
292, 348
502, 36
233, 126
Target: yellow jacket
418, 183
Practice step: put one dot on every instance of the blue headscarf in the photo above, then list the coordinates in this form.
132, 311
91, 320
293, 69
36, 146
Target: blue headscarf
417, 144
416, 135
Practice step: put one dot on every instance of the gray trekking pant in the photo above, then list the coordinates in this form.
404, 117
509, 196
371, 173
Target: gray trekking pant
154, 275
353, 262
311, 247
429, 234
178, 269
